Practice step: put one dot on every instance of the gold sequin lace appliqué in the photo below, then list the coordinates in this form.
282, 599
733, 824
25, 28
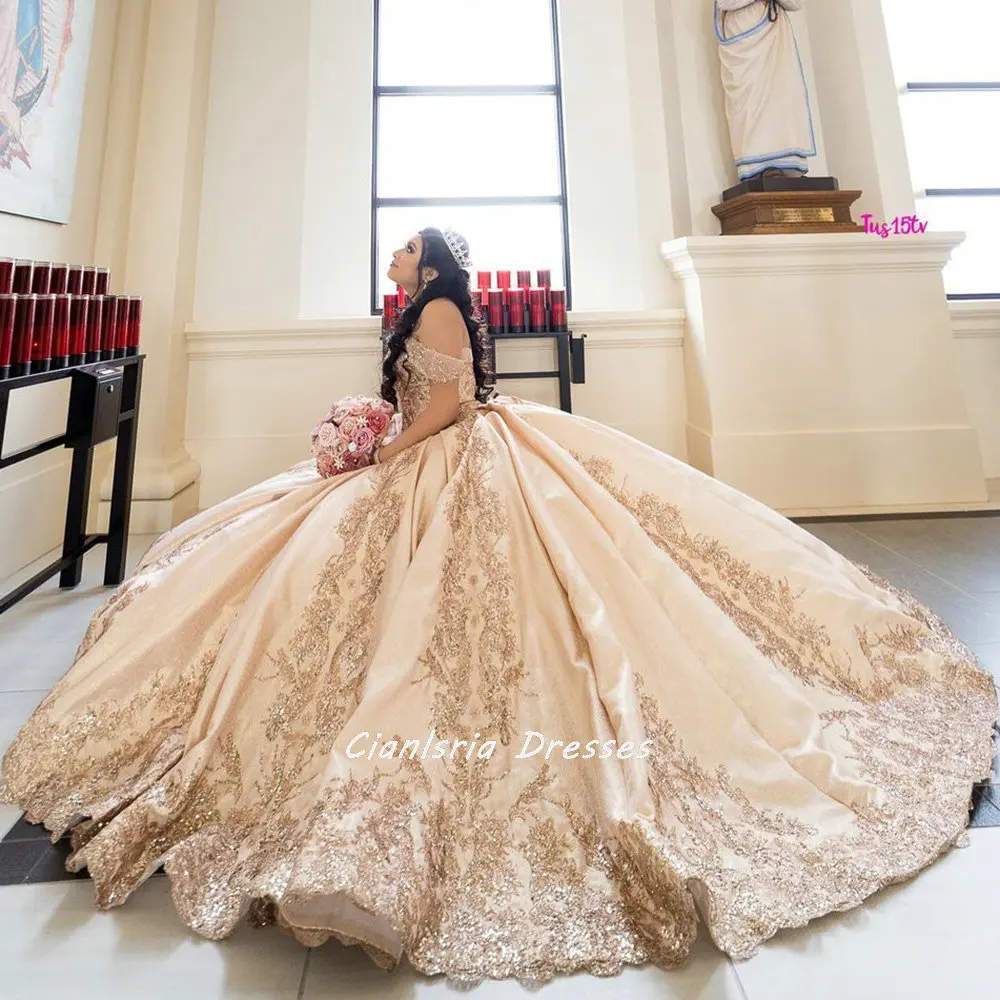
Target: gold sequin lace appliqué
922, 736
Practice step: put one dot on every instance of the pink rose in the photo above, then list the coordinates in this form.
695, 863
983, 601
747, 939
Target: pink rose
325, 465
352, 460
378, 422
348, 428
364, 439
327, 436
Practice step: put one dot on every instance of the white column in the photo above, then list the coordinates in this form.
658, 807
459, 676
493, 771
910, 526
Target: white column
821, 372
336, 213
159, 262
250, 235
860, 104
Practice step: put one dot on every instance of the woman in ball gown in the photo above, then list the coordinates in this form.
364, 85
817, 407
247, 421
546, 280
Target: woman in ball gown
526, 697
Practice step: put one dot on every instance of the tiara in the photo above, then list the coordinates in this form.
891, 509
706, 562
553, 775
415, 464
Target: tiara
458, 248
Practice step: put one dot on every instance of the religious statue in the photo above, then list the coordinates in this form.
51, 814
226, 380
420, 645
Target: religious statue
767, 100
771, 127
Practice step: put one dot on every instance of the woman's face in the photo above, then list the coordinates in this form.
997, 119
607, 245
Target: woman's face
406, 261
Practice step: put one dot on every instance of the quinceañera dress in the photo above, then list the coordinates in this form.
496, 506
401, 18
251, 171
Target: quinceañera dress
740, 726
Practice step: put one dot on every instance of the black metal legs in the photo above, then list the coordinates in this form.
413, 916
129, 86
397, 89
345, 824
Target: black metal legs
121, 489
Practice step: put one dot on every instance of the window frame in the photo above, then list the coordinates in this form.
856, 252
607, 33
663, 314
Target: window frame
957, 87
499, 90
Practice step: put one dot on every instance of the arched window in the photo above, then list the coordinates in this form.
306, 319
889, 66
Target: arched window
946, 63
468, 132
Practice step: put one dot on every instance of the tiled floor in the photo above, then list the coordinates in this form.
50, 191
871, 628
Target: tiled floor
929, 938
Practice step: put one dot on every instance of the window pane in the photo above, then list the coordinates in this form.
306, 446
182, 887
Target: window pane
942, 40
511, 238
975, 265
953, 140
465, 42
437, 147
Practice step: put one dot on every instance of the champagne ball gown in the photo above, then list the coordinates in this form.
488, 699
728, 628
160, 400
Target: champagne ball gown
252, 709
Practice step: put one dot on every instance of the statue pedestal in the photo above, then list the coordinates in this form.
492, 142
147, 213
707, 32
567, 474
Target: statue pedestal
778, 204
822, 374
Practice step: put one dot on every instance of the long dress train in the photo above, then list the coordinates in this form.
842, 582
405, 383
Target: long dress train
801, 733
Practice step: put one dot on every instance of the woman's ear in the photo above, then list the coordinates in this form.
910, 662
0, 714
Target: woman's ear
429, 274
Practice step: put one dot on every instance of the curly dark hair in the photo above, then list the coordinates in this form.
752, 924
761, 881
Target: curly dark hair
451, 283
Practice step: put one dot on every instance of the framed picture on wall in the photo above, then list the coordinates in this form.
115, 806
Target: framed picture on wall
44, 52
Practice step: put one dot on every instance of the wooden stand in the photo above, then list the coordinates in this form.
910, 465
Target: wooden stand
779, 204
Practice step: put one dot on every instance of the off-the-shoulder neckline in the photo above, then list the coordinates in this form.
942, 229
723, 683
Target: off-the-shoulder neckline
434, 350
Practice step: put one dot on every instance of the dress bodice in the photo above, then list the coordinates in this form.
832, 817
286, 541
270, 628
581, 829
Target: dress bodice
420, 367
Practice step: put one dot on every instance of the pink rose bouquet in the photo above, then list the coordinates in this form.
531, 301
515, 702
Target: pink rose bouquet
347, 437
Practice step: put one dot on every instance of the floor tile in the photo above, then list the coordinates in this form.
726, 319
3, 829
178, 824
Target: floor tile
15, 707
989, 657
18, 858
923, 940
23, 830
51, 866
39, 636
54, 943
336, 971
9, 815
848, 541
965, 551
985, 808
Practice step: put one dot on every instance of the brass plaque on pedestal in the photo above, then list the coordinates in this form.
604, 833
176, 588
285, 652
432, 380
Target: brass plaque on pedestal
788, 212
803, 215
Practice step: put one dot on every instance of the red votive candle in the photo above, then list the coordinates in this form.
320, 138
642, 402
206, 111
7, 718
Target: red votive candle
60, 275
102, 283
74, 279
78, 329
6, 275
41, 335
390, 310
8, 303
121, 328
60, 332
22, 276
41, 278
545, 281
95, 316
24, 326
134, 326
109, 317
516, 310
536, 309
484, 281
89, 281
560, 323
503, 280
524, 280
496, 312
400, 297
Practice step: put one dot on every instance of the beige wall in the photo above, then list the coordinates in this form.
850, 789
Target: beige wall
33, 494
247, 232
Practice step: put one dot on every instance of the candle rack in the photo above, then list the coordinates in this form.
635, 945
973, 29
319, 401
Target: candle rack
569, 353
103, 405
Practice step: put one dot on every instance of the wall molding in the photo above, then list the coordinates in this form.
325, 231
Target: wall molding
975, 319
359, 336
837, 253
